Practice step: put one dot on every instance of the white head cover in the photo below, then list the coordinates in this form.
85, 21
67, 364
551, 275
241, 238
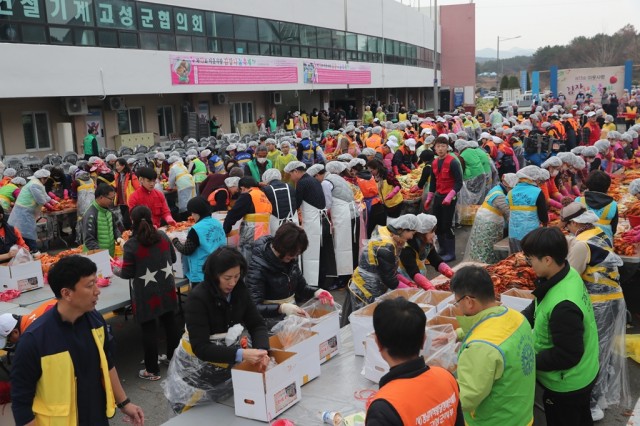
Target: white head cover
242, 147
634, 187
10, 172
18, 181
552, 162
472, 144
205, 153
345, 157
411, 144
368, 151
376, 130
232, 147
42, 173
110, 157
232, 182
510, 179
253, 144
294, 165
602, 146
566, 157
578, 149
315, 169
174, 159
131, 160
174, 153
191, 157
613, 135
72, 169
485, 135
426, 223
460, 144
531, 172
406, 221
335, 167
270, 175
355, 162
270, 141
192, 151
626, 137
285, 144
579, 163
192, 140
497, 139
590, 151
429, 140
160, 156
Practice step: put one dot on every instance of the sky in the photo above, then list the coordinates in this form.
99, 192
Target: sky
545, 22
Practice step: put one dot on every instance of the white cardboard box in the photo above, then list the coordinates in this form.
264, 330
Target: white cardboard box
23, 277
307, 353
326, 322
374, 366
103, 261
438, 298
178, 267
516, 299
264, 396
361, 325
233, 238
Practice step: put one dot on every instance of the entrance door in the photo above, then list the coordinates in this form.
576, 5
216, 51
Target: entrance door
94, 120
445, 100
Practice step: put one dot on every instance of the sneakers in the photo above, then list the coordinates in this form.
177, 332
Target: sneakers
162, 359
597, 413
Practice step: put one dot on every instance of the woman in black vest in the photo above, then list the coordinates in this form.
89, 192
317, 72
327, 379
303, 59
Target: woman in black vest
10, 239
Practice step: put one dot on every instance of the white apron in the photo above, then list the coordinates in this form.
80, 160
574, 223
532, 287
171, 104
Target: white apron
274, 222
341, 212
311, 222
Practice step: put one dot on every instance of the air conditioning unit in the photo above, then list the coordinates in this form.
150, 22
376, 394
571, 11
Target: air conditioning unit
277, 98
220, 99
116, 103
76, 106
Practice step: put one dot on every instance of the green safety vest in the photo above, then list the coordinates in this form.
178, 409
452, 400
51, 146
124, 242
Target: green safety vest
255, 172
473, 164
571, 288
199, 170
512, 395
88, 145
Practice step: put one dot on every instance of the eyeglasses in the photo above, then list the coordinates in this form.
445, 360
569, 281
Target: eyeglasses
460, 300
110, 198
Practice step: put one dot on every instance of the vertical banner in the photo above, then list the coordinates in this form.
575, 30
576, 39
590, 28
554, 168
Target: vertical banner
628, 74
458, 96
553, 82
535, 82
523, 81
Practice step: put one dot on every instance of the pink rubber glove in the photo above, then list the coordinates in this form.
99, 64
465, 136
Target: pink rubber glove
563, 191
558, 197
576, 190
445, 270
404, 282
49, 206
450, 196
66, 194
393, 193
54, 196
555, 204
423, 282
169, 220
324, 297
427, 203
402, 285
414, 189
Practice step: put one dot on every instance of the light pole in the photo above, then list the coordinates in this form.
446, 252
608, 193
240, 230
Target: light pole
498, 68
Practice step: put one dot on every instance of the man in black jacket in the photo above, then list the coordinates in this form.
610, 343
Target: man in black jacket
411, 390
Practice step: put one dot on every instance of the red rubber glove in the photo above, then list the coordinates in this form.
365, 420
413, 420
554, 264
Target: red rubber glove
395, 170
423, 282
450, 196
414, 189
170, 220
324, 297
393, 193
54, 196
555, 204
404, 282
445, 270
66, 194
427, 203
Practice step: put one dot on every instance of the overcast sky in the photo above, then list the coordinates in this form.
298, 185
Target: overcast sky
545, 22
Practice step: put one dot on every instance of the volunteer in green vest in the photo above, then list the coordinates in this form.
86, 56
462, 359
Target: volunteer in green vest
496, 362
272, 123
564, 330
90, 144
473, 174
99, 230
258, 165
197, 168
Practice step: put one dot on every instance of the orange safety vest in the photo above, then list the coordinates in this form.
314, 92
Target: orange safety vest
573, 124
493, 150
212, 197
27, 320
559, 128
261, 203
374, 141
369, 189
438, 401
631, 113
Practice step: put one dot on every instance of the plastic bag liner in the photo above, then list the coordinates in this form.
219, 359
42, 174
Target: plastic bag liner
291, 331
441, 352
316, 310
23, 256
408, 293
191, 381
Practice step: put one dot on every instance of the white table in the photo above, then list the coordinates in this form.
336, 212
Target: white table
334, 390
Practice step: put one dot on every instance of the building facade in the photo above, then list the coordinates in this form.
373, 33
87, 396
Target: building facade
134, 70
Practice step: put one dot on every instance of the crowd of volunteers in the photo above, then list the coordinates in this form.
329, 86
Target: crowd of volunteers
329, 205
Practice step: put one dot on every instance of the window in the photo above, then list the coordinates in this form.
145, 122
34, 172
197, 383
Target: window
36, 130
268, 31
308, 35
224, 25
149, 41
33, 34
245, 28
289, 33
324, 37
84, 37
130, 121
241, 112
60, 35
165, 120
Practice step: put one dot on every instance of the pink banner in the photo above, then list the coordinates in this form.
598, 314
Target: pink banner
220, 70
336, 73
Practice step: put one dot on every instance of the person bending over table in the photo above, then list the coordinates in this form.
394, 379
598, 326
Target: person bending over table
216, 314
10, 239
274, 280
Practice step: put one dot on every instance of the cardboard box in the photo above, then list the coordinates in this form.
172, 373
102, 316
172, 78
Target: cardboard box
516, 299
307, 353
407, 293
438, 298
374, 366
178, 266
361, 325
233, 238
441, 347
441, 320
326, 322
102, 260
264, 396
24, 277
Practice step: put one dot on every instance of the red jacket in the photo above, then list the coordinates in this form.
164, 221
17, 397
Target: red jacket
154, 200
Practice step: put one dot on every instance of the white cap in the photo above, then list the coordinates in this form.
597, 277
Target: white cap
411, 144
531, 172
42, 173
294, 165
174, 159
345, 157
231, 182
511, 179
485, 135
591, 114
315, 169
355, 162
552, 162
7, 323
497, 139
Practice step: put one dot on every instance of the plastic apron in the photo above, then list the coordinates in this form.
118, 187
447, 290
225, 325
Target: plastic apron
311, 222
27, 208
274, 221
342, 213
185, 186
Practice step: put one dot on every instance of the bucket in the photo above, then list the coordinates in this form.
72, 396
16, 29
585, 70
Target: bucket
634, 221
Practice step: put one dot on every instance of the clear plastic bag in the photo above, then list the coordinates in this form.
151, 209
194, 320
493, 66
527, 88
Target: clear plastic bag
23, 256
291, 331
440, 347
316, 310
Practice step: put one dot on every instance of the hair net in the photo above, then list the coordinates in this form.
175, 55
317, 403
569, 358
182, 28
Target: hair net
270, 141
376, 130
485, 135
174, 159
634, 187
131, 160
160, 156
345, 157
192, 140
336, 167
355, 162
232, 147
368, 151
608, 118
18, 181
271, 175
472, 144
633, 133
205, 153
552, 162
497, 139
294, 165
42, 173
566, 157
613, 135
579, 163
590, 151
192, 151
93, 160
10, 172
305, 134
626, 137
242, 147
285, 144
315, 169
231, 182
602, 146
72, 169
531, 172
110, 157
350, 128
405, 221
460, 145
426, 223
190, 157
578, 150
510, 179
252, 144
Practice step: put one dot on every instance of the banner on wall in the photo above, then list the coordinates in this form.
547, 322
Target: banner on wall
590, 81
458, 96
335, 73
221, 70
